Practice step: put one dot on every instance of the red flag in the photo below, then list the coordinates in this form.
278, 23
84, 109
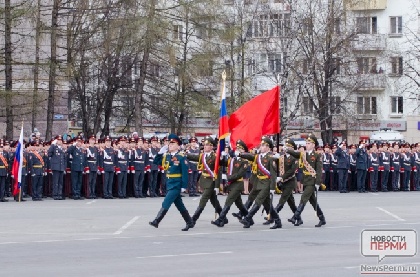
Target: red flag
257, 117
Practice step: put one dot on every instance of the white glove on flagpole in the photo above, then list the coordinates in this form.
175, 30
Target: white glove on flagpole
224, 177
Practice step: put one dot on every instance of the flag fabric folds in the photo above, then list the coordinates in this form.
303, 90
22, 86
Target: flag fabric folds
223, 129
257, 117
17, 164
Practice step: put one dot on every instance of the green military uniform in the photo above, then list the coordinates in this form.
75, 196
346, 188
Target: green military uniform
264, 171
287, 168
206, 163
236, 170
311, 163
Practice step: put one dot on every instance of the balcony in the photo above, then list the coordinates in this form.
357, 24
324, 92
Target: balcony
369, 42
363, 5
371, 82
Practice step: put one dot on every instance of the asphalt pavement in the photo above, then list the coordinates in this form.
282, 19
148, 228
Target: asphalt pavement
113, 238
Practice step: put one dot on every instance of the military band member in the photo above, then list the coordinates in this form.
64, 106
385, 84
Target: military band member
58, 166
108, 165
264, 171
92, 159
122, 167
206, 163
36, 166
140, 161
77, 167
176, 167
311, 163
193, 170
236, 171
287, 179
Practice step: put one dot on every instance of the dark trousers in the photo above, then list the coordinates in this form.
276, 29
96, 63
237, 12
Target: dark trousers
108, 181
342, 179
37, 186
361, 179
327, 178
384, 180
417, 177
92, 183
76, 182
395, 179
122, 184
209, 194
374, 180
2, 186
138, 183
57, 179
153, 182
353, 180
173, 196
192, 182
407, 175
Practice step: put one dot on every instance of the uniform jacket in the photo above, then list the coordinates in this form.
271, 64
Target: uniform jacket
109, 159
315, 161
57, 158
176, 167
4, 163
36, 164
92, 158
407, 161
374, 161
152, 154
263, 169
361, 159
122, 159
79, 158
343, 161
206, 163
385, 160
236, 168
139, 159
193, 164
396, 161
290, 165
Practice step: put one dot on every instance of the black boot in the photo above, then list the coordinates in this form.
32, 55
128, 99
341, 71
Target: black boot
277, 224
270, 220
321, 217
161, 214
296, 219
247, 221
188, 220
222, 217
241, 214
197, 214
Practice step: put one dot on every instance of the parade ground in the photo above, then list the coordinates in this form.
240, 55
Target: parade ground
113, 238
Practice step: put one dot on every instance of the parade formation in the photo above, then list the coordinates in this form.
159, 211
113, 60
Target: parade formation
138, 167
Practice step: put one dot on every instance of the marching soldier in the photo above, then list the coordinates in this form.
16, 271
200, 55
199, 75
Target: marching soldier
311, 163
77, 167
58, 166
287, 179
264, 171
108, 165
206, 162
36, 166
92, 158
236, 171
122, 167
176, 167
193, 170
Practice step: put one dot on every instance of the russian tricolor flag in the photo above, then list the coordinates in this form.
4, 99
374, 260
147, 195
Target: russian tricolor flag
223, 128
17, 164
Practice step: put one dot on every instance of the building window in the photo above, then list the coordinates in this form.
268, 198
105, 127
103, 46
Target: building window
366, 105
251, 66
397, 105
126, 71
307, 26
177, 32
308, 106
154, 101
274, 63
366, 65
367, 25
396, 24
273, 25
284, 106
396, 65
204, 30
335, 102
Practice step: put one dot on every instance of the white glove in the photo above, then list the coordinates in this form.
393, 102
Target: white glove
277, 155
224, 176
98, 172
272, 191
74, 144
64, 172
216, 190
279, 179
163, 150
361, 145
183, 190
237, 153
54, 142
317, 186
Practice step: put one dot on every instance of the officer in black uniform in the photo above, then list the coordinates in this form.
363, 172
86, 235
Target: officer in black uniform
58, 166
193, 170
140, 159
122, 167
108, 165
36, 167
4, 167
77, 167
